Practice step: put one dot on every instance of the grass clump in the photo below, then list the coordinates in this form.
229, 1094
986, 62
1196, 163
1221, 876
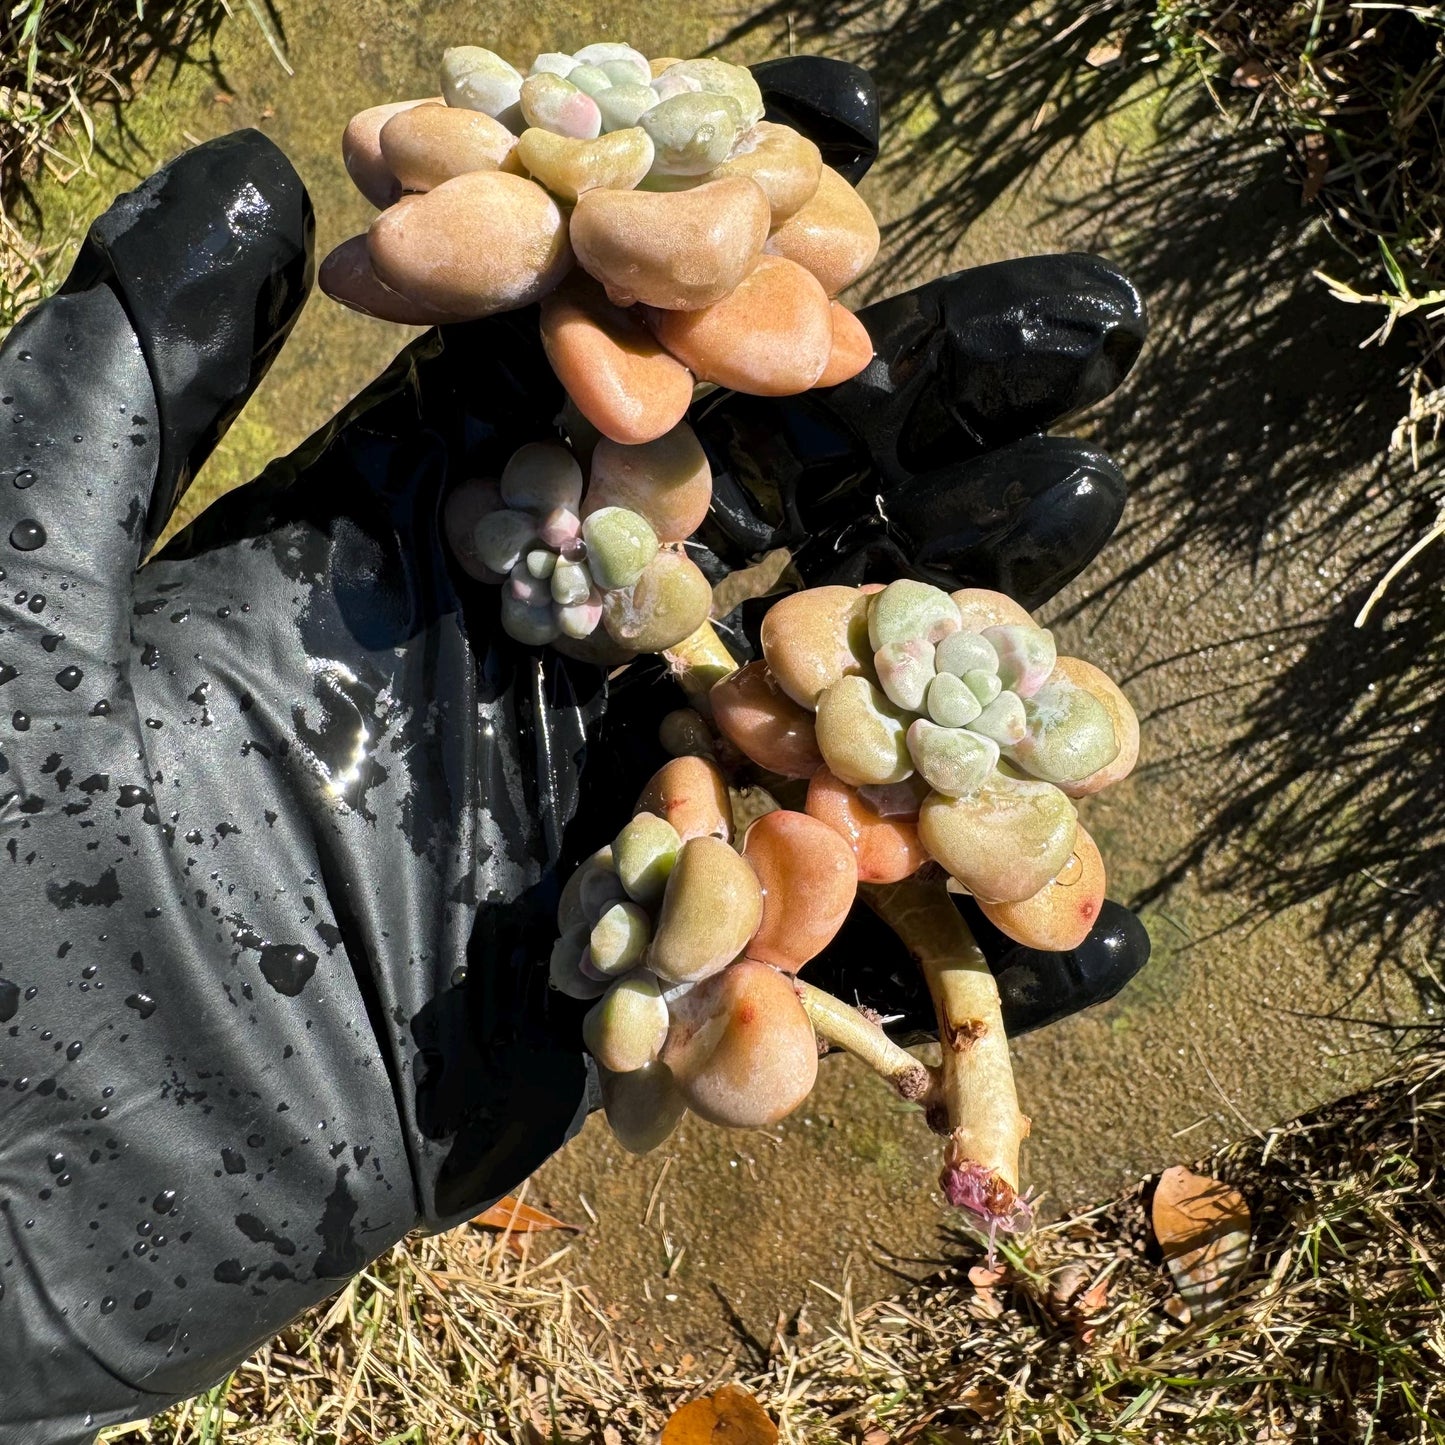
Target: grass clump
63, 63
1336, 1332
1358, 92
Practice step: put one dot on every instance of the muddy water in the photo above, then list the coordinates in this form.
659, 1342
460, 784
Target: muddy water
1239, 1021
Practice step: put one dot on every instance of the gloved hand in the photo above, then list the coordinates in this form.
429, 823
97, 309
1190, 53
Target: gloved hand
284, 812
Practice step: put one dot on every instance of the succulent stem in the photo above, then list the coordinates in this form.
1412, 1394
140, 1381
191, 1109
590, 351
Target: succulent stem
698, 662
976, 1085
842, 1024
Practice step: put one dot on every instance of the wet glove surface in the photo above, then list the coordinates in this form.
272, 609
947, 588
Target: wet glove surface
282, 812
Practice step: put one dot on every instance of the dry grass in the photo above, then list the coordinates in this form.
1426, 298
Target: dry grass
1336, 1332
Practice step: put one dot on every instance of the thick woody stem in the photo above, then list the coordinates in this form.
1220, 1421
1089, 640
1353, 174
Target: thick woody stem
843, 1025
698, 662
976, 1085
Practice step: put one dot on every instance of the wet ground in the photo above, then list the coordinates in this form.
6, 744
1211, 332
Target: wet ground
1249, 432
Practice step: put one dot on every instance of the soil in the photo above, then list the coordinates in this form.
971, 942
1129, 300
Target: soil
1234, 553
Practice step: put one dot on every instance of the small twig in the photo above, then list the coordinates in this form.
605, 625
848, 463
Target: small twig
1227, 1101
656, 1188
842, 1024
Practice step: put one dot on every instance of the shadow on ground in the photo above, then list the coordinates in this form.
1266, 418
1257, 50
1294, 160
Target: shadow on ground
1262, 434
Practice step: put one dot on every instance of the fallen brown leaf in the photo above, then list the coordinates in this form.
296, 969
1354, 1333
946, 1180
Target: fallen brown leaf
983, 1279
511, 1213
985, 1400
731, 1416
1202, 1225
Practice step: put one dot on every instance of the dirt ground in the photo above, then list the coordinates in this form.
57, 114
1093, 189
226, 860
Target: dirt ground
1251, 432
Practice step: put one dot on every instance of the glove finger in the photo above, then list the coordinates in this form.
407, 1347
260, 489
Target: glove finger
1038, 988
1025, 519
984, 356
833, 103
77, 458
211, 258
965, 364
867, 964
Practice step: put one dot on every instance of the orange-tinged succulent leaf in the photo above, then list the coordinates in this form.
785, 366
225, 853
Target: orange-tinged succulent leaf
887, 849
809, 880
742, 1047
1202, 1225
757, 716
811, 639
691, 794
980, 608
1059, 916
731, 1416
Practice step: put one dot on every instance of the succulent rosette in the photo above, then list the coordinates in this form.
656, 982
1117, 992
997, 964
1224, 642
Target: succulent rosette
946, 727
579, 564
939, 728
691, 946
671, 233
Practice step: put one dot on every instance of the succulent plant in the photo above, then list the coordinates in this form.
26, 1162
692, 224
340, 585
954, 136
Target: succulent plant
692, 112
567, 567
689, 948
672, 235
949, 728
695, 240
943, 728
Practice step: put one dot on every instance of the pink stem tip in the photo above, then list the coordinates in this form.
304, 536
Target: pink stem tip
983, 1193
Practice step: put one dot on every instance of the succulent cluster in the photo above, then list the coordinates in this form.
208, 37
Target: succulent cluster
930, 728
674, 234
571, 562
946, 727
690, 948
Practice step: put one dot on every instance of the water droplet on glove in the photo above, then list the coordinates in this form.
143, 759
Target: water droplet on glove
27, 535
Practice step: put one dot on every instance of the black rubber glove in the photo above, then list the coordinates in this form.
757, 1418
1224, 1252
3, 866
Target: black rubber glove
282, 815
